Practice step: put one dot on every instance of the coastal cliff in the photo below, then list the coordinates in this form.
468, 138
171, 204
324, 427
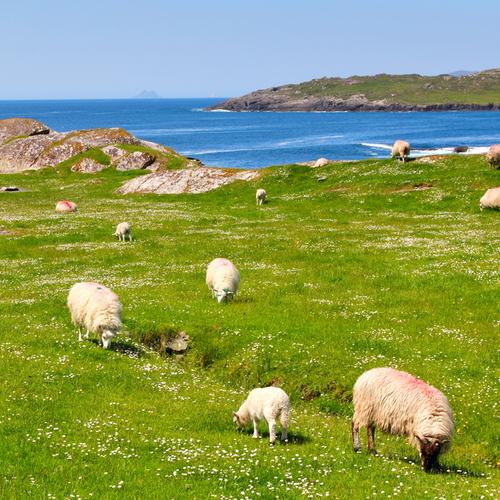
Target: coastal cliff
478, 91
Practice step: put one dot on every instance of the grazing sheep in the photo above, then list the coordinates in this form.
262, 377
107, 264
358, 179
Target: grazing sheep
261, 196
65, 206
321, 162
123, 230
97, 309
493, 156
223, 279
400, 404
490, 199
269, 403
400, 149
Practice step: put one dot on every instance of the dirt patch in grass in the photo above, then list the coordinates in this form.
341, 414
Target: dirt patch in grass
421, 186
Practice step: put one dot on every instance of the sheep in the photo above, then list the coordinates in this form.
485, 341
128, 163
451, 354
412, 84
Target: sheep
400, 404
97, 309
321, 162
223, 279
490, 199
493, 156
123, 230
400, 149
269, 403
65, 206
261, 196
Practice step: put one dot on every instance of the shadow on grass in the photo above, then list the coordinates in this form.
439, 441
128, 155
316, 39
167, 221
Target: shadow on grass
439, 469
293, 437
122, 347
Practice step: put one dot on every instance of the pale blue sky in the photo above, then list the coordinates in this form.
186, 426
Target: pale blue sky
194, 48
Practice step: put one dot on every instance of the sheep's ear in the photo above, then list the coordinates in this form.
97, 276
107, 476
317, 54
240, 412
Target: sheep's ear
421, 439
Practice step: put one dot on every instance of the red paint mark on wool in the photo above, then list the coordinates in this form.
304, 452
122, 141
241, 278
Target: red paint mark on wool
416, 384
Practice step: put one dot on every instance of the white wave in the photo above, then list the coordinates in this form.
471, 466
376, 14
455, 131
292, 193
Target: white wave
311, 140
376, 146
430, 151
220, 111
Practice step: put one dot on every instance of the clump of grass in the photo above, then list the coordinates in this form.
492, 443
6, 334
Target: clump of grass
152, 335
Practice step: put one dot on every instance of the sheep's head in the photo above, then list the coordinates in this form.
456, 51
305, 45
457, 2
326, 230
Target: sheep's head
224, 295
430, 448
239, 419
106, 337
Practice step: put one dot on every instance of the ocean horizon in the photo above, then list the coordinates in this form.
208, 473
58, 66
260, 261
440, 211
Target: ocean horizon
260, 139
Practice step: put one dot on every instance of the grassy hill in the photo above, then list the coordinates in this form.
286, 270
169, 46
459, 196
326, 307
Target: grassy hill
350, 266
379, 92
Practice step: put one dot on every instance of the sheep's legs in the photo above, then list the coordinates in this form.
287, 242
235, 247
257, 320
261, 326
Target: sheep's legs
272, 430
370, 430
80, 334
356, 443
255, 429
87, 335
284, 425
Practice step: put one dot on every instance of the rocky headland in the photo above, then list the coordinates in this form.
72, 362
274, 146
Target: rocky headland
478, 91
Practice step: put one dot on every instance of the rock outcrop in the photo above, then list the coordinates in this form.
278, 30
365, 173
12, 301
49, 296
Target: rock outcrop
29, 144
135, 161
20, 127
88, 166
188, 180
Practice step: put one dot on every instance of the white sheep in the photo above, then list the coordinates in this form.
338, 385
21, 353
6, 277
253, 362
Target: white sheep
400, 149
123, 230
65, 206
400, 404
270, 403
97, 309
261, 196
321, 162
493, 155
223, 279
490, 199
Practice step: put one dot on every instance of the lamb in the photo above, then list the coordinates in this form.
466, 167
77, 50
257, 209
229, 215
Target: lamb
490, 199
269, 403
493, 156
96, 308
261, 196
123, 230
223, 279
403, 405
65, 206
400, 149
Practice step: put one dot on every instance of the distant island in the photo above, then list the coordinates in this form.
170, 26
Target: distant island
147, 94
475, 91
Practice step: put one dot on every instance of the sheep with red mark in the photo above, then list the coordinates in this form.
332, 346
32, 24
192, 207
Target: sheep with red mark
65, 206
400, 150
493, 156
95, 308
271, 403
398, 403
223, 279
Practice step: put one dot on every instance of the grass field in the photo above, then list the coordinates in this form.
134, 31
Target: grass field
350, 266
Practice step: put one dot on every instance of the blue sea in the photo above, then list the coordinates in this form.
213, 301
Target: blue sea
255, 140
